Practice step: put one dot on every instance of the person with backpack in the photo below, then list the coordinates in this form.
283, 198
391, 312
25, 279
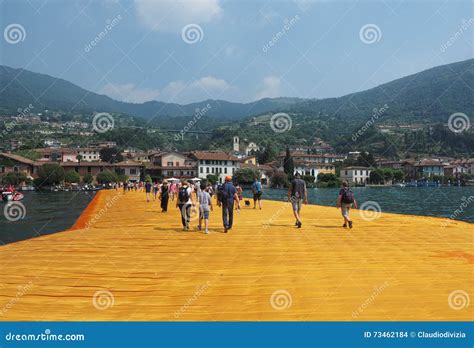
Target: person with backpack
345, 199
257, 193
184, 203
297, 194
226, 195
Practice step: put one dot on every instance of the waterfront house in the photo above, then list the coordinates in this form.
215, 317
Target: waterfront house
355, 175
10, 163
130, 168
215, 162
390, 164
454, 170
168, 164
428, 168
85, 168
56, 155
314, 158
89, 154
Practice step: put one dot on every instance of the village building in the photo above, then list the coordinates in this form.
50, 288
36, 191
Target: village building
356, 175
171, 165
218, 163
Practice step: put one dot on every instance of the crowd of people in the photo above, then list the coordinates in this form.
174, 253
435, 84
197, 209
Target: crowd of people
197, 197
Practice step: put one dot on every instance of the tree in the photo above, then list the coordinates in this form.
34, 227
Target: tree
14, 178
267, 155
107, 177
212, 178
147, 178
279, 179
110, 154
50, 174
72, 176
288, 165
377, 176
398, 175
387, 174
309, 179
79, 159
88, 179
246, 175
365, 159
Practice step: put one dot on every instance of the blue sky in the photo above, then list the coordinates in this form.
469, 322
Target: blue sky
319, 48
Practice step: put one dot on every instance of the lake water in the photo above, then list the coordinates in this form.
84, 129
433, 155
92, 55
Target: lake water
50, 212
44, 213
429, 201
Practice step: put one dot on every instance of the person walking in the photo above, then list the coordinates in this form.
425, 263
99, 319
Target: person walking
156, 189
148, 190
345, 199
173, 190
164, 196
226, 196
205, 207
257, 193
297, 194
184, 203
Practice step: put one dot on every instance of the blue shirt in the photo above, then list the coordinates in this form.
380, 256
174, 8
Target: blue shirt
231, 191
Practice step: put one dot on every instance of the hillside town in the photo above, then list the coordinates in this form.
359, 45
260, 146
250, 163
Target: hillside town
317, 164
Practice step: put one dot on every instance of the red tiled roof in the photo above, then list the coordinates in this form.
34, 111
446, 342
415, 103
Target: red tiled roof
214, 155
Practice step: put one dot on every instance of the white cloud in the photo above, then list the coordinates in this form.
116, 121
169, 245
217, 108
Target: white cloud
270, 88
208, 87
129, 92
173, 15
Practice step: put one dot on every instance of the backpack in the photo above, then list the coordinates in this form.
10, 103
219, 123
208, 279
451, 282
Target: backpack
183, 195
222, 194
347, 196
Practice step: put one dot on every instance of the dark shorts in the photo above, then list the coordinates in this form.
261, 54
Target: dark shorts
257, 196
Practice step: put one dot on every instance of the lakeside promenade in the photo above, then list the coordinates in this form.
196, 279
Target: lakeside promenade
126, 260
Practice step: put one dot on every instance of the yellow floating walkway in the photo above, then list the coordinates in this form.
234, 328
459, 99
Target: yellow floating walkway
126, 260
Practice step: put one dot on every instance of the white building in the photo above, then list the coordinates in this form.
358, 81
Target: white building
215, 162
355, 175
89, 154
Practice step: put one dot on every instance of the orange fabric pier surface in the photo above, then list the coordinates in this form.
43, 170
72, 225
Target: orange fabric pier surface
126, 260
